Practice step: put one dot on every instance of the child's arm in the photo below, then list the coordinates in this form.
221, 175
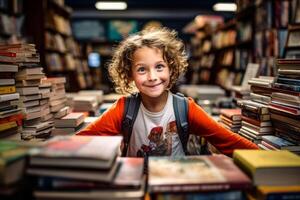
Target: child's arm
200, 123
109, 123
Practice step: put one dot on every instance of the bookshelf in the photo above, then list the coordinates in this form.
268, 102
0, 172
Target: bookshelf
11, 21
49, 25
293, 32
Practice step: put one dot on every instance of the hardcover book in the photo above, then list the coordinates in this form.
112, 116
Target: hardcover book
269, 167
195, 173
78, 152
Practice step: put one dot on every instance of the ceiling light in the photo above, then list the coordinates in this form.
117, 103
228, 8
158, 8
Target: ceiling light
230, 7
111, 5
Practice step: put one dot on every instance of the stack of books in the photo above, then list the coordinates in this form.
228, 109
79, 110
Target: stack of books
255, 120
231, 119
274, 173
12, 166
85, 167
69, 124
28, 79
10, 113
208, 177
285, 101
84, 103
57, 99
45, 91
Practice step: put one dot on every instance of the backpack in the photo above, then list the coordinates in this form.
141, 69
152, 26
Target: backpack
180, 105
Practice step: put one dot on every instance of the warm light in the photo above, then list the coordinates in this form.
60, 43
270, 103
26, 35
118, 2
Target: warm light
231, 7
111, 5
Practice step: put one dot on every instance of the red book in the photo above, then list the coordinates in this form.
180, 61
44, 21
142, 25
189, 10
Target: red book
233, 114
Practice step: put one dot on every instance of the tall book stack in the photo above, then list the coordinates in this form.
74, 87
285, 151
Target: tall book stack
70, 167
285, 106
196, 177
231, 119
58, 99
275, 174
255, 112
10, 113
28, 80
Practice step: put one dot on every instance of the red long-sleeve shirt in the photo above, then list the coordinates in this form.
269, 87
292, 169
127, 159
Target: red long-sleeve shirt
200, 123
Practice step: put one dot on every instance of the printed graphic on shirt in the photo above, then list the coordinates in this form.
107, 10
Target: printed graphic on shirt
160, 143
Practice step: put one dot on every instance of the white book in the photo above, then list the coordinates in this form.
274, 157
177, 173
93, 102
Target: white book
30, 97
7, 81
27, 71
8, 68
28, 90
8, 97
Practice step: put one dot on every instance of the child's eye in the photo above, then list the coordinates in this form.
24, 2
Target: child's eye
141, 69
160, 67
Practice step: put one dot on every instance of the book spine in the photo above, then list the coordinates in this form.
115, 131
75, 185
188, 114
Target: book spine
7, 89
7, 125
287, 87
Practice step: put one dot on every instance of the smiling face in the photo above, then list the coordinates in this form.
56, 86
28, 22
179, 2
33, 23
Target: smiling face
150, 72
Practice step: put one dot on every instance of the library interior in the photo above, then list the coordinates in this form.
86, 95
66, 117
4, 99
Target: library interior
149, 100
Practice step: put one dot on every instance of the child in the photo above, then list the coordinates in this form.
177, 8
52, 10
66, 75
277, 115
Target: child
150, 62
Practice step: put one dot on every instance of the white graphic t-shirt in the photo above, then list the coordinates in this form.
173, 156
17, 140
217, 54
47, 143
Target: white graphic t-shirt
155, 134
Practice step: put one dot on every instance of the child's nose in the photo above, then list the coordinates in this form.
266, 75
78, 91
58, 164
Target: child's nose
152, 76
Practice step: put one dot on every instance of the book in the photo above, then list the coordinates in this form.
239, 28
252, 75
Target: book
255, 116
259, 129
267, 167
254, 106
98, 175
78, 152
256, 122
70, 120
195, 174
233, 114
5, 67
7, 89
7, 82
280, 143
28, 90
12, 162
277, 192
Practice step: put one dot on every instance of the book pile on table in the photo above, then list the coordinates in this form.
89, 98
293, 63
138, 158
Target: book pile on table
12, 165
285, 106
69, 124
204, 177
28, 80
275, 174
58, 99
10, 113
231, 119
256, 121
85, 167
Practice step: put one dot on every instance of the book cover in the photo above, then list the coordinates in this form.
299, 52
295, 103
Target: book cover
78, 152
195, 173
280, 143
267, 167
233, 114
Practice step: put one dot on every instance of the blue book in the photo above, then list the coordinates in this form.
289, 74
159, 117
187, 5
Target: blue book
280, 143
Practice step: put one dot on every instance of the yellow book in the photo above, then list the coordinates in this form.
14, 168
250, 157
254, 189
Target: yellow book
278, 192
7, 89
269, 167
7, 125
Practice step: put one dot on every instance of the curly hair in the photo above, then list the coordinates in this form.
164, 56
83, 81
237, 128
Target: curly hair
164, 39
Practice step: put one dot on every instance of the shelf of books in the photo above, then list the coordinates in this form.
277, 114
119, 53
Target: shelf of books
60, 53
11, 21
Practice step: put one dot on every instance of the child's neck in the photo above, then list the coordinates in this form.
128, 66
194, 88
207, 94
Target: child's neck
155, 104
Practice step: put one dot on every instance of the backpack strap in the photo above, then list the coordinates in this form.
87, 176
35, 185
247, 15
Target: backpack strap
180, 104
132, 105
